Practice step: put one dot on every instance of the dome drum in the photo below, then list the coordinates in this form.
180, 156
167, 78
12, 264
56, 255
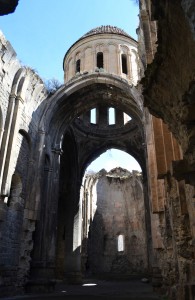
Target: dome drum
104, 49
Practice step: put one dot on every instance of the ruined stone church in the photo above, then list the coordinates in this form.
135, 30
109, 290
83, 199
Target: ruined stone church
56, 223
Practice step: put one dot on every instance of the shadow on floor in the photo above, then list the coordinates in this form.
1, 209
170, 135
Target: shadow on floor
97, 289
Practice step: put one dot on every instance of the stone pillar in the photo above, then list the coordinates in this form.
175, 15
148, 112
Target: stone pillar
1, 134
106, 60
82, 61
73, 240
102, 118
94, 62
129, 66
44, 254
86, 117
9, 165
146, 26
152, 168
119, 117
6, 134
119, 66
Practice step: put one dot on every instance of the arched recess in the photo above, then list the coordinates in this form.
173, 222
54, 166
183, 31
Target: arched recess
12, 123
143, 186
7, 138
56, 240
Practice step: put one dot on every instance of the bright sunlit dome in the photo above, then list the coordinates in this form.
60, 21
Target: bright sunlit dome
114, 158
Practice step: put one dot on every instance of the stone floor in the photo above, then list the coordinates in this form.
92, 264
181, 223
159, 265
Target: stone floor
97, 289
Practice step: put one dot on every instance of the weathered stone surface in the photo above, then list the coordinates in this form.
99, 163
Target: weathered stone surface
17, 137
47, 141
117, 203
168, 88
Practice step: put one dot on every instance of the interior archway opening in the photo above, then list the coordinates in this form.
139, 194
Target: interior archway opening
113, 158
86, 136
114, 239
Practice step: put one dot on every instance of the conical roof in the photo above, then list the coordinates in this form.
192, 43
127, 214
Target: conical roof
105, 29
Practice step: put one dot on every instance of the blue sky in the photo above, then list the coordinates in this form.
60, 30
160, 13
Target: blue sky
41, 31
112, 159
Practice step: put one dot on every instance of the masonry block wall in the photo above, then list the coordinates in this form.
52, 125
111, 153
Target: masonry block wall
33, 133
117, 233
168, 89
21, 91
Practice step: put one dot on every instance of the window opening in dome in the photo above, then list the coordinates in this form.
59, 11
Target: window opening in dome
100, 60
78, 65
111, 116
120, 243
126, 118
124, 63
93, 116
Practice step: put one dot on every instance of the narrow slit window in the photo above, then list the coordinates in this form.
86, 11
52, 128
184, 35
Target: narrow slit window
78, 65
111, 116
124, 63
100, 60
93, 116
120, 243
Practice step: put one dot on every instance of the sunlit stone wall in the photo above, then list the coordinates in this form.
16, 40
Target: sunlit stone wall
115, 223
104, 49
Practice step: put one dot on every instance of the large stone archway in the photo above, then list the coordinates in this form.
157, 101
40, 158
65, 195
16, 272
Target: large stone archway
49, 140
71, 144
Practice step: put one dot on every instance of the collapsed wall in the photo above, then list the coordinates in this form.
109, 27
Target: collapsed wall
114, 226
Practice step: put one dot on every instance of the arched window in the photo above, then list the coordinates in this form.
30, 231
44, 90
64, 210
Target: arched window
100, 60
78, 65
111, 116
93, 116
120, 243
124, 63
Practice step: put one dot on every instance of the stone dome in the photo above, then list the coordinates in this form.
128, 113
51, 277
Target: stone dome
106, 29
103, 49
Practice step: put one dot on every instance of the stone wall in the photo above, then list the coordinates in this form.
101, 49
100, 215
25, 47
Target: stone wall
31, 134
117, 235
168, 86
21, 91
